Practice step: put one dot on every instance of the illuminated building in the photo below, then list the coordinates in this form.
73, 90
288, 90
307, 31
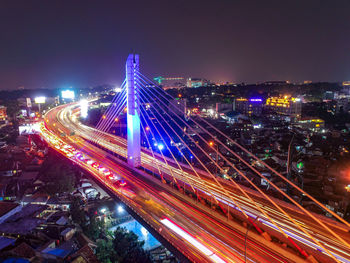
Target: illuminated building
223, 107
342, 105
314, 124
196, 83
328, 95
3, 114
249, 107
286, 105
346, 83
170, 83
276, 82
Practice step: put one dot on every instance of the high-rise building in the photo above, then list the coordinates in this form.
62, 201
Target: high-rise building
286, 105
249, 107
3, 114
342, 105
196, 82
171, 82
223, 107
346, 83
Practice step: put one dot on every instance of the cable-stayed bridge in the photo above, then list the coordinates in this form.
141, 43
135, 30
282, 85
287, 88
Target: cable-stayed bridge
173, 184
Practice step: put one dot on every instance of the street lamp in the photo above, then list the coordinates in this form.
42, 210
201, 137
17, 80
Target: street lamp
120, 209
211, 143
160, 147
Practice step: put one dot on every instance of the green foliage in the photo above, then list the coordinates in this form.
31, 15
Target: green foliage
78, 215
58, 176
127, 247
104, 251
95, 229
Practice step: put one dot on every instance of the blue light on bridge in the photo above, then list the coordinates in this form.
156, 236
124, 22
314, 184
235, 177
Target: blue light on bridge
160, 147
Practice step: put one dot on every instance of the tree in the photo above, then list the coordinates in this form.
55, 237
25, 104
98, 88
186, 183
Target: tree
78, 215
95, 229
58, 176
127, 247
105, 251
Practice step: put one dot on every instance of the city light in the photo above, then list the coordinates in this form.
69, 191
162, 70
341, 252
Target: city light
83, 108
40, 100
160, 147
104, 117
255, 100
191, 239
347, 188
144, 231
68, 94
120, 209
211, 143
116, 119
118, 89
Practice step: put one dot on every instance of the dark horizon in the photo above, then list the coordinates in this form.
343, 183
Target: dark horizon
59, 44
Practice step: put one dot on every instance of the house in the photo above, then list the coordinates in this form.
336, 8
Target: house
6, 242
60, 252
85, 255
8, 209
24, 221
67, 233
22, 250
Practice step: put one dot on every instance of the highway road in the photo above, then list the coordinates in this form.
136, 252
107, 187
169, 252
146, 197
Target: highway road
63, 120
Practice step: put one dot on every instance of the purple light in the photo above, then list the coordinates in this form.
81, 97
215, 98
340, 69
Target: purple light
255, 100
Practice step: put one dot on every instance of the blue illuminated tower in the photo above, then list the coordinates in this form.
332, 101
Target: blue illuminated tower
133, 111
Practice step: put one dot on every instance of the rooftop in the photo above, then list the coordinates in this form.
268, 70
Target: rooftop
6, 207
5, 242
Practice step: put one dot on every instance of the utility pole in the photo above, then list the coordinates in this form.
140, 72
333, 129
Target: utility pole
289, 160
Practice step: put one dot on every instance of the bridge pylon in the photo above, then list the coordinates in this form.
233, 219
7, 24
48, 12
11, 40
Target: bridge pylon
133, 111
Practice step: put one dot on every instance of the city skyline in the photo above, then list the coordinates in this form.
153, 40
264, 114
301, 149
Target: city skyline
60, 44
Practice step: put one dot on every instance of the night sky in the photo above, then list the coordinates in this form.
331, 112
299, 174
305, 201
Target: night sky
56, 44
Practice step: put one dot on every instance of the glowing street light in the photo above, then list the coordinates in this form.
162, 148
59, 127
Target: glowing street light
347, 188
144, 231
160, 147
116, 119
120, 209
211, 143
104, 117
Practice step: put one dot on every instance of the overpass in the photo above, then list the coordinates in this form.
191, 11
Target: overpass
205, 217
